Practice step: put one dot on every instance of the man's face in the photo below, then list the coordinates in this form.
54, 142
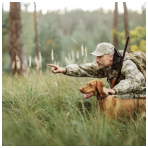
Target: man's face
104, 61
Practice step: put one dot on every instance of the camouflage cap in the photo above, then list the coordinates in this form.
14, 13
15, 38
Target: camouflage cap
103, 48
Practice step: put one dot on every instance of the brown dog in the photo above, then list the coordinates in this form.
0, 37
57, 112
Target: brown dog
111, 106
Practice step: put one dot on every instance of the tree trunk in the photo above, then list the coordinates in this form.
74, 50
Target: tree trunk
38, 59
17, 50
127, 33
115, 26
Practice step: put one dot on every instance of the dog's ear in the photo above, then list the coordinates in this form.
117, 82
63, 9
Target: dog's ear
102, 84
99, 86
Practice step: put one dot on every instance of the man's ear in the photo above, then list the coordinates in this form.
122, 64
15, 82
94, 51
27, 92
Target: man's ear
111, 57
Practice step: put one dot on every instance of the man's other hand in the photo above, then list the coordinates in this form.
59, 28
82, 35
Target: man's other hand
110, 91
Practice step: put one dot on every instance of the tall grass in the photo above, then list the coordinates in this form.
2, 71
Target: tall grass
43, 111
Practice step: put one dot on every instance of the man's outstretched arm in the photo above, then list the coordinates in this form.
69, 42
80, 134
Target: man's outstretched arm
83, 70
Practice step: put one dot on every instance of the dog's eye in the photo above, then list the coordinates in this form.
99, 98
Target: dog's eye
90, 85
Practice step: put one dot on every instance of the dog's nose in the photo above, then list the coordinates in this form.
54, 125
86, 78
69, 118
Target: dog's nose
80, 89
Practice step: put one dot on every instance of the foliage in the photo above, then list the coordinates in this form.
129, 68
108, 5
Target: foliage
6, 61
28, 31
50, 38
43, 111
65, 33
137, 38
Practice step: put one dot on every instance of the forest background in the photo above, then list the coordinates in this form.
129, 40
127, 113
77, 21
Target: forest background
66, 33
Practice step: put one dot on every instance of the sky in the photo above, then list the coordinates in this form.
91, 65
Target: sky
82, 4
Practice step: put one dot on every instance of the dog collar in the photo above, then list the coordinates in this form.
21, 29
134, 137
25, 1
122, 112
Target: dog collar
101, 97
105, 96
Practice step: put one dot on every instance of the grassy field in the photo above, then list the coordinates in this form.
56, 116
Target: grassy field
43, 111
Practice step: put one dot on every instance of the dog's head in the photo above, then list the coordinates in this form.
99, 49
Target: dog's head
92, 88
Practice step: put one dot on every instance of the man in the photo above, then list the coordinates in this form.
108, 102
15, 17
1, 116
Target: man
107, 63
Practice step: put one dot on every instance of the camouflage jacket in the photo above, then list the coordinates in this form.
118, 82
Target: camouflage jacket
130, 79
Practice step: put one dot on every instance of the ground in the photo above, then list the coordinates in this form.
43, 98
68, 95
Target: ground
42, 110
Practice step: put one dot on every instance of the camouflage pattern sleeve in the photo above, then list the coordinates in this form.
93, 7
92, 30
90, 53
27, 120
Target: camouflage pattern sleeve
133, 79
85, 70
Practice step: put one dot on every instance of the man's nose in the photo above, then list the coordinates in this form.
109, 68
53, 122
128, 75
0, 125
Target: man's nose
97, 60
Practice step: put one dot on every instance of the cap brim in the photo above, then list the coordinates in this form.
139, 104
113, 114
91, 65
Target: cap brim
95, 54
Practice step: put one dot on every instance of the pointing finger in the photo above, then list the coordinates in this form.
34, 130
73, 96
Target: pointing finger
52, 65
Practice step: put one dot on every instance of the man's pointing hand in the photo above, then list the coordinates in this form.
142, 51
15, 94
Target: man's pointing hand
57, 69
